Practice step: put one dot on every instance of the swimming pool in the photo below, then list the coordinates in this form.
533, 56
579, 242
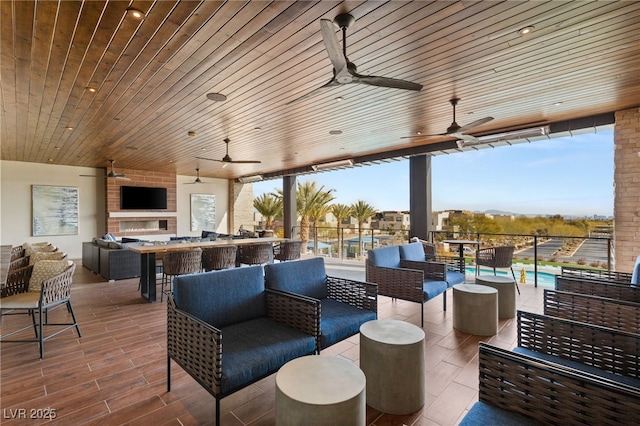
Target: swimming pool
545, 279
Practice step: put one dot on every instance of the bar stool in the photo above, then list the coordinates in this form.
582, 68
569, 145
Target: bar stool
287, 250
256, 254
219, 257
181, 262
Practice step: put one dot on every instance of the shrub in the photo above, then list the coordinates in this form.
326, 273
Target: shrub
581, 261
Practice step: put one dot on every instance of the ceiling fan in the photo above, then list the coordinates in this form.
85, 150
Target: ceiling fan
227, 159
457, 131
112, 173
197, 180
344, 71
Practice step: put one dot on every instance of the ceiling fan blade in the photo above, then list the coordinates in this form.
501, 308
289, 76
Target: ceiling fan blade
244, 161
211, 159
392, 83
315, 91
332, 46
464, 138
474, 124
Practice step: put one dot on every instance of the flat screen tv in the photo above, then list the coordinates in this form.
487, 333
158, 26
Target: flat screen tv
142, 198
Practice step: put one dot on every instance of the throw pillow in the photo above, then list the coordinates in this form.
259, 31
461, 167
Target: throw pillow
41, 255
45, 269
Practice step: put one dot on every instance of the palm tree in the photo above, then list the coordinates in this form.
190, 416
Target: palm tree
269, 206
341, 212
362, 211
310, 198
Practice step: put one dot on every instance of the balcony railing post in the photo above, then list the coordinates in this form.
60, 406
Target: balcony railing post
535, 260
609, 254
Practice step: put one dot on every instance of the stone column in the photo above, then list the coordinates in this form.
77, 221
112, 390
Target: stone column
626, 177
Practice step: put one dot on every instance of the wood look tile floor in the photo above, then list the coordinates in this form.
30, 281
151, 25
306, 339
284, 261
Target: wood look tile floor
116, 373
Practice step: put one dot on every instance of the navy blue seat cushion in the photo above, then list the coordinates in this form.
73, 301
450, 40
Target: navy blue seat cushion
258, 347
385, 257
433, 288
307, 277
412, 251
222, 297
454, 277
340, 320
631, 381
485, 414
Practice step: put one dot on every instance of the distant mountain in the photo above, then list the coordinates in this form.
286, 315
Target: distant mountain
500, 212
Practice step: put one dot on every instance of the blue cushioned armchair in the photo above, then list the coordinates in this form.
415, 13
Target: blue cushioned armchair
262, 329
344, 304
402, 273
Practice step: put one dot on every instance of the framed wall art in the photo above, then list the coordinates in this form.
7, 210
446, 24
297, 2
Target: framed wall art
203, 212
55, 210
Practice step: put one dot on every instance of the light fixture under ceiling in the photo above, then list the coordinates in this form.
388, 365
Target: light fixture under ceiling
333, 164
526, 30
513, 135
250, 179
135, 13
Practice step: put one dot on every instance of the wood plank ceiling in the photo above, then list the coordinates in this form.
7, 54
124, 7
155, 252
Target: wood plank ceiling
83, 82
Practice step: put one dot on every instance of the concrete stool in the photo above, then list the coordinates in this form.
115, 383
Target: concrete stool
320, 390
506, 293
475, 309
392, 358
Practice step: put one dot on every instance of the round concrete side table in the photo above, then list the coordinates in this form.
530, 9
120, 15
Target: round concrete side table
506, 293
320, 390
475, 309
392, 358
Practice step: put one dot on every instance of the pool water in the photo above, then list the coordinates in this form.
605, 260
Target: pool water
545, 279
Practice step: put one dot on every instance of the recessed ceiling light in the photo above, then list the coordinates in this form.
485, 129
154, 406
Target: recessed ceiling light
69, 128
91, 89
192, 134
339, 99
135, 13
526, 30
51, 160
257, 128
216, 97
335, 132
558, 103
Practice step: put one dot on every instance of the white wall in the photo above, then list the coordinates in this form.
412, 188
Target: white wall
17, 177
218, 187
15, 203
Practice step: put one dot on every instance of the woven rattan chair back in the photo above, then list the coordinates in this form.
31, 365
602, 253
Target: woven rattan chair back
496, 257
18, 263
55, 291
181, 262
221, 257
288, 250
256, 254
17, 252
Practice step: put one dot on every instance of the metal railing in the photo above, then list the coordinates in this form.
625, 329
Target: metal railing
344, 243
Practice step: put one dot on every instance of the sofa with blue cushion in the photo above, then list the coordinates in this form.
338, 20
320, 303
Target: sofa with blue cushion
401, 272
516, 389
226, 330
344, 304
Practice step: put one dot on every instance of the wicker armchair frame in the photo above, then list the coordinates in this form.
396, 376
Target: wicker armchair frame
454, 263
496, 257
179, 262
609, 289
406, 282
612, 313
287, 250
220, 257
601, 275
55, 292
551, 394
17, 281
197, 347
256, 254
17, 252
610, 350
18, 263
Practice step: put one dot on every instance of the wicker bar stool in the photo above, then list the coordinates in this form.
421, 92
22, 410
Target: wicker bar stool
181, 262
256, 254
220, 257
17, 252
287, 250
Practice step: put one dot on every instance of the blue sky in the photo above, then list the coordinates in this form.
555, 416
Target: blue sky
567, 176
